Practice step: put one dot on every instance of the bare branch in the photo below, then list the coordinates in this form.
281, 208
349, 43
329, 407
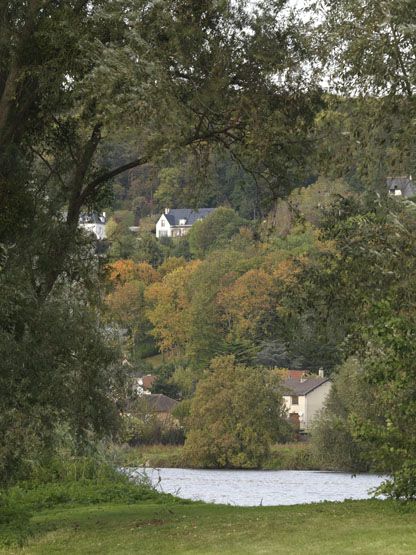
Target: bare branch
48, 165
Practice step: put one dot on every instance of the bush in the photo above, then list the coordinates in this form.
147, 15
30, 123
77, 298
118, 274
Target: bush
236, 414
333, 443
14, 522
149, 430
292, 456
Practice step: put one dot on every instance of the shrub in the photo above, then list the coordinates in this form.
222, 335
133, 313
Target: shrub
333, 442
149, 430
236, 414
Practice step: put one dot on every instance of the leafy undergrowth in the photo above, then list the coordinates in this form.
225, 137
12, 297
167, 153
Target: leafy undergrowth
289, 456
153, 456
292, 456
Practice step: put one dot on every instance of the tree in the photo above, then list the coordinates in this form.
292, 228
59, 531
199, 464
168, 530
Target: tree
333, 440
236, 413
214, 230
170, 264
249, 307
207, 329
365, 287
374, 45
388, 363
60, 369
368, 48
168, 308
77, 78
58, 110
126, 305
124, 271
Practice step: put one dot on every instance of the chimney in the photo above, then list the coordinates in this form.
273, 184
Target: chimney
167, 210
321, 373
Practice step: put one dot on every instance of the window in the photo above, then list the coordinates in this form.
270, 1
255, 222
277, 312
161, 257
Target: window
162, 223
295, 400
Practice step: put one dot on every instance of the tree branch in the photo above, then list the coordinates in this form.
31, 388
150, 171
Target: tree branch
79, 195
97, 181
48, 165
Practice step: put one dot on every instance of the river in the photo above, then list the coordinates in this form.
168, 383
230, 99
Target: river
261, 487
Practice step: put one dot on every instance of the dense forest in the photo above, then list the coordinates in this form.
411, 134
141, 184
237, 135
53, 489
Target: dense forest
289, 124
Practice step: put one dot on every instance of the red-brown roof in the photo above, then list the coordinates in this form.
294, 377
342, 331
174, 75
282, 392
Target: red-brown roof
148, 381
296, 374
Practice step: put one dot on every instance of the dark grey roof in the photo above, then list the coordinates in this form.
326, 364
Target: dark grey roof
292, 386
403, 184
188, 214
158, 402
92, 218
149, 403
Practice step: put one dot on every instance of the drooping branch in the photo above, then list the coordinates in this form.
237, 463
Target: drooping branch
103, 178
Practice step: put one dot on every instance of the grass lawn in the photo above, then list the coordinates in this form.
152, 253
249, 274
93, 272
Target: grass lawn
364, 527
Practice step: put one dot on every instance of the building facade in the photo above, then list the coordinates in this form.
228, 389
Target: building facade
177, 222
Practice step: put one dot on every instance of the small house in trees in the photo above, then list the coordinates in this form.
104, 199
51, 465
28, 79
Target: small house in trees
160, 406
176, 222
156, 405
304, 396
94, 223
142, 385
401, 186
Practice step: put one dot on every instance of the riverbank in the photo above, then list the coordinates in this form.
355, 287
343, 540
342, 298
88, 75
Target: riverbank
176, 527
288, 456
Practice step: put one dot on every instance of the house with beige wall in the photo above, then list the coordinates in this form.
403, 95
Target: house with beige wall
304, 397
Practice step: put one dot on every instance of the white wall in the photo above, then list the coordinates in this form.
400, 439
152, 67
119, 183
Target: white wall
315, 401
309, 405
299, 408
97, 229
163, 229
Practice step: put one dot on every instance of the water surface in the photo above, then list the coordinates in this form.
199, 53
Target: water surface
262, 487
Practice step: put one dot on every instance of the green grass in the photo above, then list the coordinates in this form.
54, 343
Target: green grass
80, 507
68, 483
364, 527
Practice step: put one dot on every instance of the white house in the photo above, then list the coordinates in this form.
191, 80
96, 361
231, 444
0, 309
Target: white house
401, 186
176, 222
94, 223
304, 397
